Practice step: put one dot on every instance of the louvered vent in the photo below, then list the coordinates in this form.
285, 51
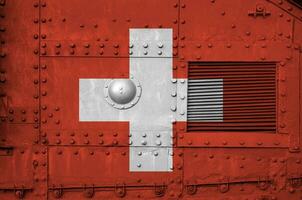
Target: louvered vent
231, 97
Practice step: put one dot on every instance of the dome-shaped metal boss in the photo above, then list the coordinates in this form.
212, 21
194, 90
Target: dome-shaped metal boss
122, 91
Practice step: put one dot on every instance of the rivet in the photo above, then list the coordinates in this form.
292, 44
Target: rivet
144, 135
156, 153
139, 153
58, 45
173, 108
160, 45
158, 142
145, 45
159, 52
174, 80
36, 36
144, 142
36, 4
139, 165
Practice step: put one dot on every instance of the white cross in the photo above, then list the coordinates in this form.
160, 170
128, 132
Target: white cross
151, 118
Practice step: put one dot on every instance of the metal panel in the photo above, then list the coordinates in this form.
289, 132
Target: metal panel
47, 46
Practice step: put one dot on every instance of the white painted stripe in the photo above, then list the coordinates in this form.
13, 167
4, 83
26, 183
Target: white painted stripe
209, 107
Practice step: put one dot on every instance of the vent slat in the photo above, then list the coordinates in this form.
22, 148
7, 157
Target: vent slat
231, 97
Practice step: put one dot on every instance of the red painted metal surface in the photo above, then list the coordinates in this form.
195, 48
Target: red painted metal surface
47, 45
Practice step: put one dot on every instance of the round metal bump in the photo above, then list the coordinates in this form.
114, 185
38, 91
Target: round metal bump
122, 93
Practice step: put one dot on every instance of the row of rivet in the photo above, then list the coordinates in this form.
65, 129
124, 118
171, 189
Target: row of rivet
174, 94
225, 143
2, 55
116, 51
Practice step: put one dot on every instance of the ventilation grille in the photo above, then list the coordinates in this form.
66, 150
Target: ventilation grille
231, 97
